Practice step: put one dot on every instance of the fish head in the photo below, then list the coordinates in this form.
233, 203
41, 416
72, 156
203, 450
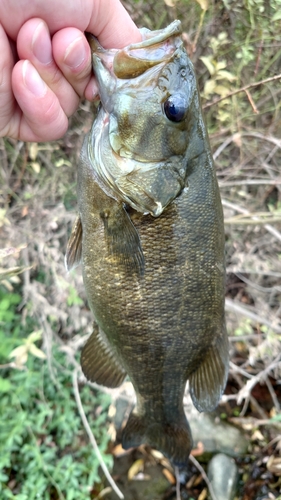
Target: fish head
150, 105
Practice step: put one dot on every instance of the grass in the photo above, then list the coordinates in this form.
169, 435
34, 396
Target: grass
44, 450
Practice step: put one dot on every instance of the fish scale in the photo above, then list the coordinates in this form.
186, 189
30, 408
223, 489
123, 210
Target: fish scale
154, 279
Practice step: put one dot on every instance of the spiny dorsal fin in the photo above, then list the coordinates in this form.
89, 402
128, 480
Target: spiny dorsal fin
207, 383
123, 239
99, 363
74, 246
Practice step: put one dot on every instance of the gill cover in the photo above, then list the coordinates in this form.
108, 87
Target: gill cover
140, 140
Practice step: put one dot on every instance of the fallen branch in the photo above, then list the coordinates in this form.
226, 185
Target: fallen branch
91, 436
268, 227
204, 475
262, 375
232, 306
242, 89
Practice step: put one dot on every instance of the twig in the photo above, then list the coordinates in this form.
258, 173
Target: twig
272, 394
204, 475
268, 227
238, 338
232, 306
249, 398
255, 110
250, 384
242, 89
242, 220
178, 484
240, 370
91, 436
234, 269
250, 182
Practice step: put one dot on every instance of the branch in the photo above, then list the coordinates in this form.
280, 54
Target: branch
243, 89
91, 436
232, 306
204, 475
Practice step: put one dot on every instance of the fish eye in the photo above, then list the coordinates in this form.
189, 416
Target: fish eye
175, 107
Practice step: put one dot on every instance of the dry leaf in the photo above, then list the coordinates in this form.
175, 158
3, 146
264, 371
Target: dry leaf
142, 477
111, 431
209, 64
12, 271
24, 211
199, 450
112, 411
237, 139
118, 451
37, 352
20, 354
257, 435
204, 4
33, 150
137, 467
36, 166
168, 475
274, 465
157, 454
203, 494
104, 492
170, 3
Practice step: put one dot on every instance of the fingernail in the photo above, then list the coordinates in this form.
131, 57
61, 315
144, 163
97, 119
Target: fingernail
32, 80
76, 53
41, 44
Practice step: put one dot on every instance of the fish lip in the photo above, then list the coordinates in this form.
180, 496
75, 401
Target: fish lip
110, 57
173, 29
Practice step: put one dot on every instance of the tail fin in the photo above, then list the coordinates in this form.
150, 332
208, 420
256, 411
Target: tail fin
174, 440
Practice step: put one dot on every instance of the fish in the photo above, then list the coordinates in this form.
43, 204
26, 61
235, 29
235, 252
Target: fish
150, 237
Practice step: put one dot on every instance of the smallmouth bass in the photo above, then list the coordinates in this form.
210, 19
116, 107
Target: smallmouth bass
151, 240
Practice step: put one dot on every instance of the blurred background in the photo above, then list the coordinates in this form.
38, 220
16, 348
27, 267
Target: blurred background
235, 46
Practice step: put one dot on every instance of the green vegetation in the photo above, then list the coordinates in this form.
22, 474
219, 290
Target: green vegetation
44, 450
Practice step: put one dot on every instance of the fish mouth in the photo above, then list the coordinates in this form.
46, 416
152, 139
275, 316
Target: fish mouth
136, 58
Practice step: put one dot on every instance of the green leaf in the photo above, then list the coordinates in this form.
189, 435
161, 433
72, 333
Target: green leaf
277, 16
5, 385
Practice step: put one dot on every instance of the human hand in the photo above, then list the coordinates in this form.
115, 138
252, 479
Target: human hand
41, 90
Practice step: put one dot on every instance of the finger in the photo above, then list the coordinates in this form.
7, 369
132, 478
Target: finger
108, 20
42, 118
7, 100
72, 55
34, 44
112, 25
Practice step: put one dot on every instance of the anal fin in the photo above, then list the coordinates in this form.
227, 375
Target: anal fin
207, 383
99, 363
74, 246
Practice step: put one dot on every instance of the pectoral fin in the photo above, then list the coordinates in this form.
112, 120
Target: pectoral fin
208, 382
74, 246
123, 239
99, 363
